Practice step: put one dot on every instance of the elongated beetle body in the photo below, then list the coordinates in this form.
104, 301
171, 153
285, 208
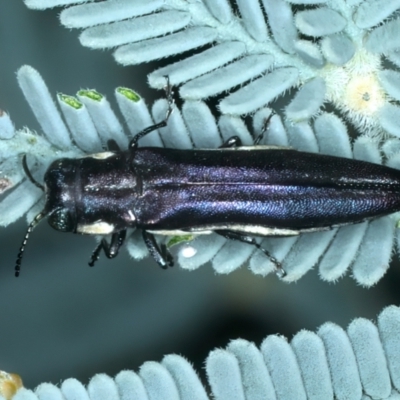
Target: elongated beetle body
235, 191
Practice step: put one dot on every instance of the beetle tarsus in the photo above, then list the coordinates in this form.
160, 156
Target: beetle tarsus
280, 272
110, 249
162, 256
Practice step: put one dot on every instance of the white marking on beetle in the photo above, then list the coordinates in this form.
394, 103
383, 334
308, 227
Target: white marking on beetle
178, 232
98, 228
256, 230
262, 230
131, 216
250, 148
100, 156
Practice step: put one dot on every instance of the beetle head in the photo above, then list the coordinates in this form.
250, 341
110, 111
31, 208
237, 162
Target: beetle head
59, 207
60, 179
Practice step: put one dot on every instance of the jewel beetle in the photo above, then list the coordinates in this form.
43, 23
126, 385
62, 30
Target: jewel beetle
235, 191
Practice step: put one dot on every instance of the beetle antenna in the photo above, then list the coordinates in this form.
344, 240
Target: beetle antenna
34, 222
29, 174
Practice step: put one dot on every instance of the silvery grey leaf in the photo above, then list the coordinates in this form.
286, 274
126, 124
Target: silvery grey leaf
391, 148
102, 385
337, 49
366, 149
383, 39
129, 384
199, 64
80, 125
225, 78
388, 325
307, 101
137, 116
106, 123
390, 119
10, 173
220, 9
94, 13
185, 378
134, 30
253, 19
15, 204
42, 105
345, 379
153, 49
254, 374
136, 247
311, 357
73, 389
307, 1
158, 381
390, 81
223, 263
342, 251
332, 136
51, 391
201, 125
302, 137
43, 4
280, 18
375, 252
373, 12
283, 368
367, 346
305, 253
310, 53
205, 246
227, 385
7, 128
320, 21
259, 92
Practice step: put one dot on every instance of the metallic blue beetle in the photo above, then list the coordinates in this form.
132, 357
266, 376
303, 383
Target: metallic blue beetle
236, 191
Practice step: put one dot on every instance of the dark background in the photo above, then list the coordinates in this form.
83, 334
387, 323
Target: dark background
63, 319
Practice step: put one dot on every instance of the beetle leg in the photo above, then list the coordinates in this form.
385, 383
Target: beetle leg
162, 124
260, 137
233, 141
110, 249
248, 239
162, 256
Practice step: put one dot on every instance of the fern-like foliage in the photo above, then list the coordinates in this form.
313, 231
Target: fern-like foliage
327, 51
90, 123
330, 49
358, 363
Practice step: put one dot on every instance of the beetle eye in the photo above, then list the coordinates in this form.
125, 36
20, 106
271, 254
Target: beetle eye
61, 220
